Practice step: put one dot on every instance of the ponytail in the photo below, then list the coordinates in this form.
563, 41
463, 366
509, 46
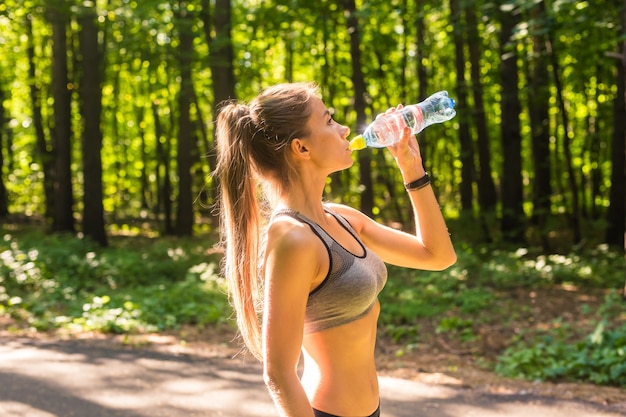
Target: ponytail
252, 145
240, 220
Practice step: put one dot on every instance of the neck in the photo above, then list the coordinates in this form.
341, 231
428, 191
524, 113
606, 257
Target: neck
304, 197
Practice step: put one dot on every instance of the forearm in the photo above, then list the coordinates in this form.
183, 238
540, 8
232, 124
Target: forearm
430, 224
289, 397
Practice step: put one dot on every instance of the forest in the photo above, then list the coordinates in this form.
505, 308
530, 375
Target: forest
108, 207
107, 107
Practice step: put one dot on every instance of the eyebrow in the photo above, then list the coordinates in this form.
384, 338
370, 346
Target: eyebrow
327, 112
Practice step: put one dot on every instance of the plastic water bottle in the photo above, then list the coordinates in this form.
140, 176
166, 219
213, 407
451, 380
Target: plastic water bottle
386, 129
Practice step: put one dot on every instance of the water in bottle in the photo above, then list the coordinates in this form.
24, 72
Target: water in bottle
386, 129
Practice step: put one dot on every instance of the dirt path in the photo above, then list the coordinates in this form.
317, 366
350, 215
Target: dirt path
44, 377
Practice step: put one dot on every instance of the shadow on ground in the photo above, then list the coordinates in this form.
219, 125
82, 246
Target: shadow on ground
43, 378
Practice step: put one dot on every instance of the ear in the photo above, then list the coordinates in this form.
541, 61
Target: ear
300, 149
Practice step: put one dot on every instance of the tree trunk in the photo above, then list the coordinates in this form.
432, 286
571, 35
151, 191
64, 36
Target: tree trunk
422, 78
200, 154
512, 224
145, 184
487, 197
91, 106
221, 57
404, 44
289, 49
539, 113
574, 217
62, 131
597, 146
115, 127
326, 67
365, 168
616, 215
465, 137
159, 153
4, 200
43, 150
184, 207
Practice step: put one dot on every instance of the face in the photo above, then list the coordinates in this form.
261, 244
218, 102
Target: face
328, 139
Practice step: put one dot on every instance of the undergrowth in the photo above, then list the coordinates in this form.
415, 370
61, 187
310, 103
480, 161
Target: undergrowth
139, 284
136, 285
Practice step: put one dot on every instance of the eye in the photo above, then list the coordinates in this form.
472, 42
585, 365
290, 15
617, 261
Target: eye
331, 113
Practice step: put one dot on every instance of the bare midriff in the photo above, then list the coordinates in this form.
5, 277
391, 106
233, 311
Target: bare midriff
339, 369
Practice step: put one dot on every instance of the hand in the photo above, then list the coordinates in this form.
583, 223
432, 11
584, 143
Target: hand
407, 153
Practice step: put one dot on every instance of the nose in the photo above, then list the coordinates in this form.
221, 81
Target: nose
345, 131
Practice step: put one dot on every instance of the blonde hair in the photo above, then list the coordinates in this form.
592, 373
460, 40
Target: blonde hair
252, 149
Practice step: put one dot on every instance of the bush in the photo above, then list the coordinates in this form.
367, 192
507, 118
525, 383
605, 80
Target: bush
599, 358
141, 284
57, 281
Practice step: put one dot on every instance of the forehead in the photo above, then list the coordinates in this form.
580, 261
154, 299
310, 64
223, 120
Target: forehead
318, 107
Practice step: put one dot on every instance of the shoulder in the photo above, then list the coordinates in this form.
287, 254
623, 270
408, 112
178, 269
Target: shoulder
289, 233
357, 219
293, 250
293, 241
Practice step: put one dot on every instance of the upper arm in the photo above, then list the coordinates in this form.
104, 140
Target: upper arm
393, 246
291, 265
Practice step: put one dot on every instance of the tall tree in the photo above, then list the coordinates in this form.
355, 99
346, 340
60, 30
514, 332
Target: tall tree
249, 41
574, 215
538, 79
221, 53
62, 131
163, 170
487, 197
145, 184
184, 207
512, 223
43, 149
220, 58
465, 137
358, 83
4, 200
421, 72
90, 90
616, 215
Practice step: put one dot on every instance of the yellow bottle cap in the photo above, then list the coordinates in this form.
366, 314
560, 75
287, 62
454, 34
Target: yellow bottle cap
357, 143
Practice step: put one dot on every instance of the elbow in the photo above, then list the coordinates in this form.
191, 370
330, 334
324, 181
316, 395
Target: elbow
270, 382
451, 258
270, 378
445, 261
274, 378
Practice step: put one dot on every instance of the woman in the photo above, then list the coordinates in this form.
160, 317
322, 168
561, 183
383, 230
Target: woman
304, 275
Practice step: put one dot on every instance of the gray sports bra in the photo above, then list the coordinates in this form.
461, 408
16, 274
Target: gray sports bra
351, 286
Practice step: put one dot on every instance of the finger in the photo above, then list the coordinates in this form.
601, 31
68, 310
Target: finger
406, 133
405, 137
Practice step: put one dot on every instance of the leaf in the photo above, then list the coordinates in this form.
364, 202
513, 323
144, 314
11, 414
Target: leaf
598, 334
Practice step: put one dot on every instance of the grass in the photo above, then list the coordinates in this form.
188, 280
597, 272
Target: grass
136, 285
536, 316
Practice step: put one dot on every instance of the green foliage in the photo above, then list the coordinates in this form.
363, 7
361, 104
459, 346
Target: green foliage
508, 267
141, 284
599, 358
472, 285
455, 303
410, 294
57, 281
275, 41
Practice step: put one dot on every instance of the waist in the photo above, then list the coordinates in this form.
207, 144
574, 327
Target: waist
339, 374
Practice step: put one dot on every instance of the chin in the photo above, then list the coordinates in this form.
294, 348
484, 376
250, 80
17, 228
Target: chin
346, 166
